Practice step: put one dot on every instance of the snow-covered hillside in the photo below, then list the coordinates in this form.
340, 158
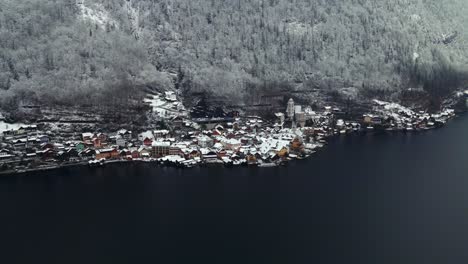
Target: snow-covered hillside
77, 51
95, 14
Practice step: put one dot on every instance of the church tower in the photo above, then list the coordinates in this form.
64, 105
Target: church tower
290, 109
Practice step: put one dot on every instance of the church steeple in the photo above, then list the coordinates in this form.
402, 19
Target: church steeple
290, 109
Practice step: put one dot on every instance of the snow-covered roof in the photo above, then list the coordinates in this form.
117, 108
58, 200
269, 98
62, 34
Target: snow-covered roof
161, 144
87, 134
162, 131
104, 150
145, 135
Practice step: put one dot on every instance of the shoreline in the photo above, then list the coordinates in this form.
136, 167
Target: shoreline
160, 163
188, 142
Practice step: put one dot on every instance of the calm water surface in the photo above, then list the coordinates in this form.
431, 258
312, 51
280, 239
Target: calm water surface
364, 199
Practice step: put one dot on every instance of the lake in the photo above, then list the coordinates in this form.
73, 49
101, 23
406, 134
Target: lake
383, 198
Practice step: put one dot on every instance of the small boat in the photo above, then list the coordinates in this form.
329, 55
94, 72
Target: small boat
293, 156
237, 162
302, 157
96, 163
267, 165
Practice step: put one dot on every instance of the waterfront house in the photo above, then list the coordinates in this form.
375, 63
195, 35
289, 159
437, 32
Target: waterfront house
80, 146
367, 119
210, 156
193, 154
144, 152
87, 153
283, 152
377, 120
6, 155
296, 145
251, 159
109, 153
72, 154
67, 154
175, 151
160, 148
135, 153
222, 153
125, 154
46, 154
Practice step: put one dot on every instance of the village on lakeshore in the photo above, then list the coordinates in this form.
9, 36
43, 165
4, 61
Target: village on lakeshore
296, 133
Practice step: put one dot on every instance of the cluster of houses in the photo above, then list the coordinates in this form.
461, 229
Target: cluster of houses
166, 105
246, 141
242, 142
395, 117
295, 134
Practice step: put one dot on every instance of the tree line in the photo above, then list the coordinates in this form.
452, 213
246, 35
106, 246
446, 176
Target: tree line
53, 53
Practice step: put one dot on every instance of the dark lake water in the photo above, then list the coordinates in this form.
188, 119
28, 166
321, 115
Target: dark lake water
400, 198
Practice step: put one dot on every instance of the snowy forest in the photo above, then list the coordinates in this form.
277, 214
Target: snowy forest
78, 52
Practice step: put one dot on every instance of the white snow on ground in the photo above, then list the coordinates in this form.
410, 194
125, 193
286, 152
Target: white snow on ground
7, 127
165, 108
297, 28
415, 17
394, 107
155, 101
97, 15
133, 15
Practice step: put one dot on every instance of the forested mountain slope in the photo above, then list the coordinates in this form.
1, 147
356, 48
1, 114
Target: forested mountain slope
90, 51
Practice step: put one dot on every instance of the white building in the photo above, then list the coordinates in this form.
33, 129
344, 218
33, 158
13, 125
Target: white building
297, 109
280, 117
205, 141
231, 144
170, 96
301, 118
161, 133
121, 142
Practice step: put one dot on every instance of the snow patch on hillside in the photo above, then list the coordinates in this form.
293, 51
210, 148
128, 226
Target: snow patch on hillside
134, 18
97, 15
296, 28
415, 17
